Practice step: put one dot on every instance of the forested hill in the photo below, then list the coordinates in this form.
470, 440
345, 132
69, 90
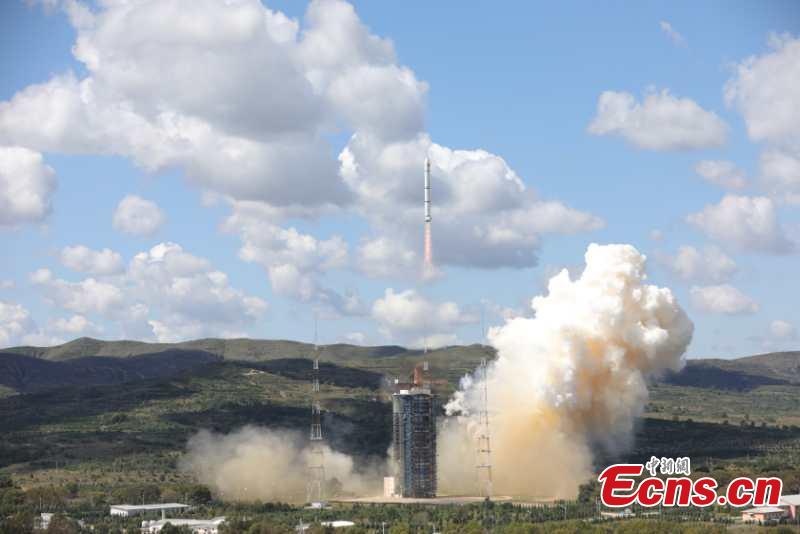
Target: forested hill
87, 361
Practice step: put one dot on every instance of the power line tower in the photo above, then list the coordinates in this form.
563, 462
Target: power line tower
484, 466
316, 464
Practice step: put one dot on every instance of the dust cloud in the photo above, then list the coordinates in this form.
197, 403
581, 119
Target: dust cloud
258, 464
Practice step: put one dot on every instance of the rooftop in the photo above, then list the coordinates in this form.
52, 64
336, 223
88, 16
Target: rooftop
793, 500
764, 510
337, 524
215, 521
157, 506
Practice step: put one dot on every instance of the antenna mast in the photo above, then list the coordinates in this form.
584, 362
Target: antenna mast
316, 464
484, 466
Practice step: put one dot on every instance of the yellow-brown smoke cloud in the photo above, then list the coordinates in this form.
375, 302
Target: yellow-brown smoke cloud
569, 380
270, 465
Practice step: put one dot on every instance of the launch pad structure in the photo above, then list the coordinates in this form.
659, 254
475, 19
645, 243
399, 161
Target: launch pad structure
414, 439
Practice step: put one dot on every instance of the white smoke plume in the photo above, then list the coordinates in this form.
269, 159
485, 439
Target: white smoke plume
257, 464
568, 381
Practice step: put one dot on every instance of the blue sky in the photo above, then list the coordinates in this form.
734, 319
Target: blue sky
192, 112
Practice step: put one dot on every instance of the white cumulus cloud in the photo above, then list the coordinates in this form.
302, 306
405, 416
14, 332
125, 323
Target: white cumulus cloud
721, 173
164, 292
137, 216
708, 265
100, 262
15, 323
780, 174
26, 186
412, 318
724, 299
660, 122
75, 325
782, 330
749, 223
87, 296
764, 90
293, 260
189, 294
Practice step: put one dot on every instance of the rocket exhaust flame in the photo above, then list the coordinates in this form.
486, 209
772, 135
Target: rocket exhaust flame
570, 381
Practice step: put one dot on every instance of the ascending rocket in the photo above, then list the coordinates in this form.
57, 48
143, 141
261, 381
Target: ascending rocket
428, 242
427, 190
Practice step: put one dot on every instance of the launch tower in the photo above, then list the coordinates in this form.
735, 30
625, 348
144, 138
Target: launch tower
484, 464
414, 438
316, 466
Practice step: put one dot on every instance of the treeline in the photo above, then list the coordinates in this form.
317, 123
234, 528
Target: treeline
635, 526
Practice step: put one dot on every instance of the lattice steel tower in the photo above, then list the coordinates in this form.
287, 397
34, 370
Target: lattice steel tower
484, 465
316, 464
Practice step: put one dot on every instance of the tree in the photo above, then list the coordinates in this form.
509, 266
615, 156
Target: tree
199, 494
169, 528
72, 489
400, 528
46, 497
148, 493
473, 527
19, 523
60, 524
587, 493
263, 527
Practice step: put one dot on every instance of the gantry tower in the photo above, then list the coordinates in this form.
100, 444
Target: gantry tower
484, 464
315, 490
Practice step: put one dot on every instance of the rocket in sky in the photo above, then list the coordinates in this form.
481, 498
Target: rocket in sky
428, 243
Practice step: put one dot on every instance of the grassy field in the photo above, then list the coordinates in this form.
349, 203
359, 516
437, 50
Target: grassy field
762, 405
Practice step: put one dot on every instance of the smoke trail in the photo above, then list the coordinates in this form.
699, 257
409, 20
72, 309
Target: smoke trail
259, 464
569, 380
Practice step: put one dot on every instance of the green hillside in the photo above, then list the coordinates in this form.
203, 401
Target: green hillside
24, 374
229, 349
87, 361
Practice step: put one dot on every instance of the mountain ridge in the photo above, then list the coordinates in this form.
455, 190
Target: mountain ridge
89, 361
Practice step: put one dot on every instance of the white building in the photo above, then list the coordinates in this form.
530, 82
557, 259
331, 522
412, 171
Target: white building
389, 487
337, 524
43, 521
790, 503
762, 514
130, 510
198, 526
302, 527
